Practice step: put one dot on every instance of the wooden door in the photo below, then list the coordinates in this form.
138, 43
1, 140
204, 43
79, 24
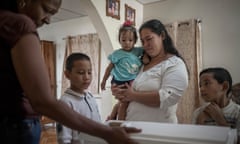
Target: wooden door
49, 54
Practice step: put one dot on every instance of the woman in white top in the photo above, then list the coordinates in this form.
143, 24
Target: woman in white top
156, 91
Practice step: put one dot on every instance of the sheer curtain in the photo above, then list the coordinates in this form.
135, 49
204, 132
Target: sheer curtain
90, 45
186, 37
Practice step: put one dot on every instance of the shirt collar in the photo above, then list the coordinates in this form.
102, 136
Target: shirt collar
73, 93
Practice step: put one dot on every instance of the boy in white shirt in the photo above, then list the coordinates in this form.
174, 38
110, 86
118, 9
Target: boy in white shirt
79, 72
219, 109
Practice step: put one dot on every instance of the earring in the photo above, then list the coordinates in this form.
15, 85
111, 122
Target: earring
22, 4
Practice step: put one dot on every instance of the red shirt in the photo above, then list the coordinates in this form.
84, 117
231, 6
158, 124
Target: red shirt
13, 103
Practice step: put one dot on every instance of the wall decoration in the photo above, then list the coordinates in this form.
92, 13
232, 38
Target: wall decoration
113, 8
130, 14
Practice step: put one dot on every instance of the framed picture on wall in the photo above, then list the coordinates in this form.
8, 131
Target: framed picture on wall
113, 8
130, 14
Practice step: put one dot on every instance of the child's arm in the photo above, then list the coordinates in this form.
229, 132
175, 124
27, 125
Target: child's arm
114, 113
122, 110
106, 75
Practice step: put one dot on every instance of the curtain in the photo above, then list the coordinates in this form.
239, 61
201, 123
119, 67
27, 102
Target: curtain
199, 100
186, 37
171, 31
90, 45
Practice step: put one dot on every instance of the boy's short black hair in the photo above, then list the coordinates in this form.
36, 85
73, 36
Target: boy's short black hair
220, 74
74, 57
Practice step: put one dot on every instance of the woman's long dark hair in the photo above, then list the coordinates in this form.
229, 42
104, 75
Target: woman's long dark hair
158, 28
10, 5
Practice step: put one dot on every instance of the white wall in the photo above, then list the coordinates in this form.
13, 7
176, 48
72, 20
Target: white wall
220, 32
112, 25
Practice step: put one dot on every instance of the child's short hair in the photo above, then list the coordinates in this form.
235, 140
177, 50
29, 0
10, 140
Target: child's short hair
74, 57
220, 74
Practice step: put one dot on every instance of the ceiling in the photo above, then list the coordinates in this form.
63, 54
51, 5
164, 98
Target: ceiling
148, 1
70, 10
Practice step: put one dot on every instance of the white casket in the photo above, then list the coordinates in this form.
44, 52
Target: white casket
164, 133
